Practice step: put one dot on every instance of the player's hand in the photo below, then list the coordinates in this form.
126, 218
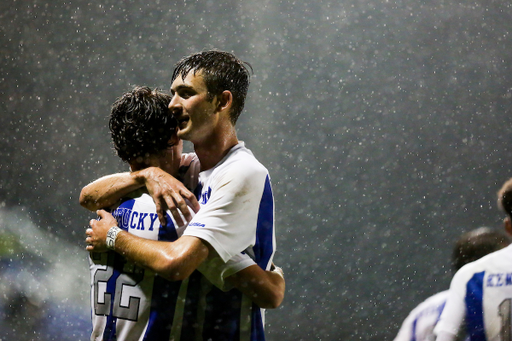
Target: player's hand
169, 194
96, 239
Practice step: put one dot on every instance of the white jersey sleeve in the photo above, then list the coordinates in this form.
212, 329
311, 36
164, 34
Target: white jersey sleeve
231, 203
419, 324
480, 298
215, 270
452, 318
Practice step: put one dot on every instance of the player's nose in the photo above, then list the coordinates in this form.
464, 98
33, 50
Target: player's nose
175, 105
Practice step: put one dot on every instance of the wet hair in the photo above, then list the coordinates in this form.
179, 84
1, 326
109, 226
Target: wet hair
477, 243
141, 124
505, 197
221, 71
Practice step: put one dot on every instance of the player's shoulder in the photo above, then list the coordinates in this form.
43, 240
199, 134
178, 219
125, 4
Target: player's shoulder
138, 200
242, 159
486, 263
432, 302
496, 261
494, 258
187, 159
189, 170
438, 298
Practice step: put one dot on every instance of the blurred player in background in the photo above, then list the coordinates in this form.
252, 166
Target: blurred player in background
419, 324
480, 293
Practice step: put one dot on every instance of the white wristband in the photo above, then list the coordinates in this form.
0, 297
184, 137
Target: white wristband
111, 237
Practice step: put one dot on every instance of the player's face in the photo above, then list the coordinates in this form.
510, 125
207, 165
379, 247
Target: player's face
171, 159
195, 114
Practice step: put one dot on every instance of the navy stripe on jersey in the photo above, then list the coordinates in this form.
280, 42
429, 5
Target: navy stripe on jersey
168, 233
258, 332
438, 310
222, 315
162, 309
413, 334
211, 314
263, 250
190, 319
475, 318
164, 293
110, 328
264, 247
198, 190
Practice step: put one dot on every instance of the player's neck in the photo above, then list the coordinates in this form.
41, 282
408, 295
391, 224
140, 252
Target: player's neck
211, 151
168, 165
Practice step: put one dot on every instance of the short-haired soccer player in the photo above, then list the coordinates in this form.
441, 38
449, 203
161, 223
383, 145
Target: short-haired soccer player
130, 302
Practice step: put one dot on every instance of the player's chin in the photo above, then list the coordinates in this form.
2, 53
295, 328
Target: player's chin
183, 133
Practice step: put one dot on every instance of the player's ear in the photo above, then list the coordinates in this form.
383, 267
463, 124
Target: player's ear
174, 139
225, 101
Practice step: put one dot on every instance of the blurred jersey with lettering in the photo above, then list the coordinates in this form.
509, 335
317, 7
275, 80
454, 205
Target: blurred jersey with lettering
480, 297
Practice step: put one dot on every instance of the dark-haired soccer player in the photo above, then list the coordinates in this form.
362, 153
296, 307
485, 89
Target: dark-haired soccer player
130, 302
235, 194
419, 324
480, 293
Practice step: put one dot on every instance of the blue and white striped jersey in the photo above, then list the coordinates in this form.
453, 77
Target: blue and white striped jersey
236, 215
419, 324
480, 297
130, 303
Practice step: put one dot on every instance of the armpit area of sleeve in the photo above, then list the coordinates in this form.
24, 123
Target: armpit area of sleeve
223, 253
216, 271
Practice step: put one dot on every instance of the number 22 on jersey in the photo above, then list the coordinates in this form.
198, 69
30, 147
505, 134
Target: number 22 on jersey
117, 279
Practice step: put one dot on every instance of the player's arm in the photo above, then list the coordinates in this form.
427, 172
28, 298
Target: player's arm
265, 288
167, 192
450, 325
108, 190
177, 260
172, 260
405, 332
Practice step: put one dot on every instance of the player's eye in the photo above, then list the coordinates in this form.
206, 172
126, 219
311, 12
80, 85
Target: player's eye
186, 94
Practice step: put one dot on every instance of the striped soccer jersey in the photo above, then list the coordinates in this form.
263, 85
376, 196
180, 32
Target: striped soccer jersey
480, 296
131, 303
419, 324
128, 302
237, 214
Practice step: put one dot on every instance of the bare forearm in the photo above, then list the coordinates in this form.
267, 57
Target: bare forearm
167, 192
108, 190
274, 294
171, 260
265, 288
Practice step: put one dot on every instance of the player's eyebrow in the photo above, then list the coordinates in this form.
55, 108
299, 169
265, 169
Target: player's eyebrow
181, 87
